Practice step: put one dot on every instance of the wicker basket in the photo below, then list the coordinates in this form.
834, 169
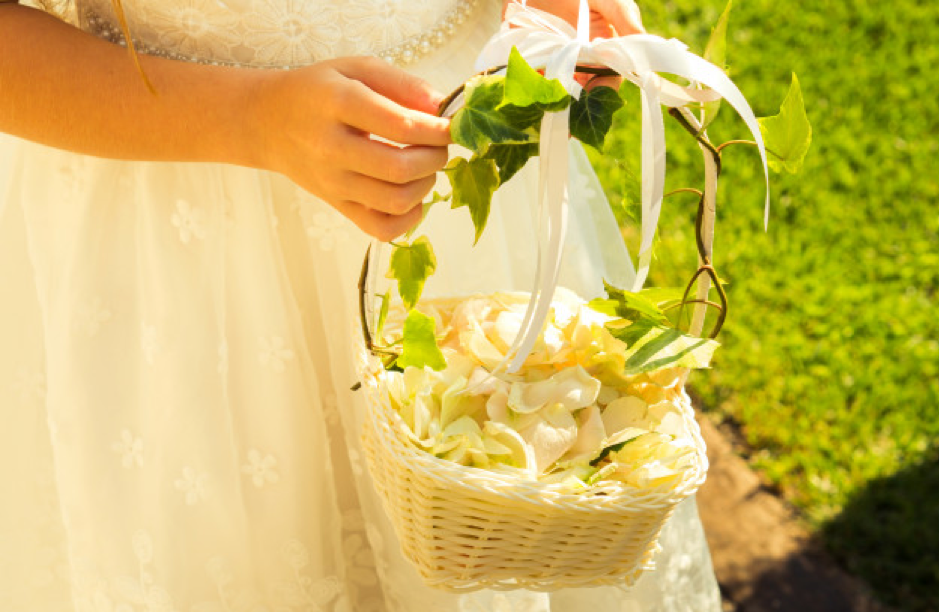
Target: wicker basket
466, 528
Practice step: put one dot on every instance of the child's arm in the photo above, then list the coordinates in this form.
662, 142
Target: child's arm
65, 88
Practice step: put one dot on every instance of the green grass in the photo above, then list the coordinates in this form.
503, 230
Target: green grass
831, 353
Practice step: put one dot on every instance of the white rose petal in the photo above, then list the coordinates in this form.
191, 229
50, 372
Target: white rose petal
550, 436
497, 407
522, 454
628, 411
672, 424
476, 343
506, 329
454, 403
573, 388
590, 433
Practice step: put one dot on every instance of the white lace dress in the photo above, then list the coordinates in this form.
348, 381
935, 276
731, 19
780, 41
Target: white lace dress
177, 430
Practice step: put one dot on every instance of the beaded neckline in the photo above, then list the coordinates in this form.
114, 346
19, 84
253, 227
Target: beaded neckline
407, 52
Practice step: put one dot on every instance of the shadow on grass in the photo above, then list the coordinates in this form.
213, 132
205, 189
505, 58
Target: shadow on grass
888, 535
807, 581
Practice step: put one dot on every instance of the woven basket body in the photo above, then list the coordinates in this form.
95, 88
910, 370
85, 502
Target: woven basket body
466, 528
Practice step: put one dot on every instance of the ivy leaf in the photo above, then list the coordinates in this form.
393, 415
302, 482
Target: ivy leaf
411, 265
419, 343
511, 158
788, 134
628, 305
525, 86
523, 117
479, 124
716, 53
663, 296
473, 184
592, 115
436, 198
653, 347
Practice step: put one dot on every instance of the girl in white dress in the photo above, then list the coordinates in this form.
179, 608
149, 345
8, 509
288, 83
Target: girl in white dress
177, 279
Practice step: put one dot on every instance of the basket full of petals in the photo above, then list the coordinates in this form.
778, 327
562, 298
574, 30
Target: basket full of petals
560, 474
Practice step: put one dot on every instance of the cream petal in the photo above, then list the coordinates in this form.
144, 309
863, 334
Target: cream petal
668, 377
672, 424
627, 411
463, 426
551, 436
573, 388
397, 390
522, 454
415, 380
482, 382
476, 343
494, 447
607, 395
453, 402
425, 410
658, 411
590, 433
505, 329
457, 366
458, 455
497, 408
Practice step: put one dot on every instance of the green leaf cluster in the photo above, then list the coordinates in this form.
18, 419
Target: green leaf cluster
500, 123
652, 344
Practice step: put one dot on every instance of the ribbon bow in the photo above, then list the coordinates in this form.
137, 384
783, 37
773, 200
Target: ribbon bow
546, 41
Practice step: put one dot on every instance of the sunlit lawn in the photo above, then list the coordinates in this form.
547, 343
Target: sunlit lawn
831, 353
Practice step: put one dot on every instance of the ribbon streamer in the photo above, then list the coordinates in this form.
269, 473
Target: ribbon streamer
547, 41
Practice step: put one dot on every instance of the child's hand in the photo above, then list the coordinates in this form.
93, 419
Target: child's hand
608, 18
317, 124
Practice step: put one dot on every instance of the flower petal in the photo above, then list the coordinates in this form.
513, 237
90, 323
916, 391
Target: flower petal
627, 411
550, 436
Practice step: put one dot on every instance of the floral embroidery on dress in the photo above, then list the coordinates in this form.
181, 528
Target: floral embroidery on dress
261, 469
193, 485
360, 561
91, 316
274, 353
185, 29
125, 593
130, 448
303, 590
290, 32
379, 24
190, 221
328, 229
30, 384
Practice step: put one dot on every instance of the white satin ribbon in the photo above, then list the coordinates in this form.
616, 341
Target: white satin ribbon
549, 42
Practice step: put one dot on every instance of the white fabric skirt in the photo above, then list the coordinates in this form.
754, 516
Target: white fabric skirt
178, 430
